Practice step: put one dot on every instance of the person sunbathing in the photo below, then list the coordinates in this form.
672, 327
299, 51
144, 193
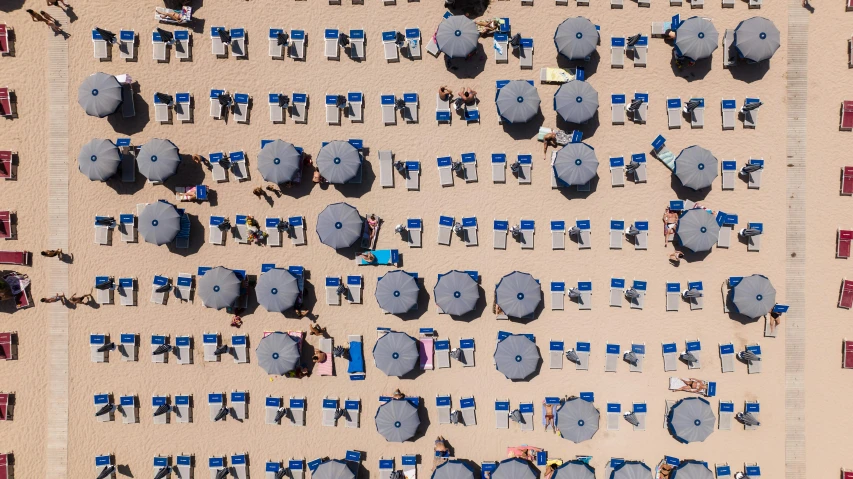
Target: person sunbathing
549, 419
468, 96
319, 357
398, 394
488, 27
691, 385
368, 257
670, 222
372, 225
522, 452
556, 138
444, 93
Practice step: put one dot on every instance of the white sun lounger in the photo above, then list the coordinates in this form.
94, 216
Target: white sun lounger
445, 229
297, 45
330, 405
641, 239
161, 111
558, 235
215, 106
697, 116
525, 53
727, 357
354, 287
617, 290
276, 50
639, 350
445, 170
558, 295
96, 341
183, 42
469, 167
183, 350
617, 52
272, 405
442, 405
468, 409
726, 414
617, 109
330, 40
724, 471
617, 228
639, 301
299, 107
670, 356
673, 296
441, 358
469, 226
127, 291
641, 114
333, 298
728, 42
500, 43
585, 300
271, 227
754, 408
356, 41
386, 168
750, 117
352, 413
754, 367
389, 113
611, 358
102, 233
501, 413
639, 410
498, 168
410, 112
158, 340
156, 402
641, 48
127, 44
333, 113
103, 296
442, 110
694, 348
501, 228
582, 350
528, 229
728, 107
389, 43
297, 230
413, 175
297, 410
583, 237
673, 112
127, 227
238, 349
414, 227
127, 347
239, 466
241, 108
696, 303
614, 416
355, 106
755, 176
526, 410
217, 46
183, 111
729, 174
127, 408
100, 44
467, 348
160, 49
525, 174
183, 411
753, 243
617, 171
210, 342
556, 350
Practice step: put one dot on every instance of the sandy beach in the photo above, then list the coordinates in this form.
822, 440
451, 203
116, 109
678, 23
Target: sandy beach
134, 446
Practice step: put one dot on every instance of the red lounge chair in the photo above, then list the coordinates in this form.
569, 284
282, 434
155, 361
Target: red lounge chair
847, 180
5, 466
4, 49
6, 352
846, 116
842, 249
6, 225
5, 102
22, 300
20, 258
847, 363
4, 407
6, 168
846, 300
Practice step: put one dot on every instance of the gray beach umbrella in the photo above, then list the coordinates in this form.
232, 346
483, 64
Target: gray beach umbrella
278, 353
456, 293
218, 288
757, 39
397, 292
99, 94
518, 294
696, 167
99, 159
397, 420
691, 420
158, 159
577, 420
576, 101
697, 230
277, 290
576, 38
574, 470
696, 38
514, 468
338, 162
576, 164
396, 354
692, 470
457, 36
631, 470
339, 225
334, 469
279, 161
517, 101
453, 469
516, 356
754, 296
159, 223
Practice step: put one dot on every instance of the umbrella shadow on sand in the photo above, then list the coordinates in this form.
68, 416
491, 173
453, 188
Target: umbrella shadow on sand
572, 193
526, 130
686, 193
135, 124
11, 5
749, 72
468, 67
589, 67
697, 71
357, 190
588, 128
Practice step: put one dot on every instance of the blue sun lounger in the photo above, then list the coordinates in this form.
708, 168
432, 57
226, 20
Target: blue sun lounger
383, 257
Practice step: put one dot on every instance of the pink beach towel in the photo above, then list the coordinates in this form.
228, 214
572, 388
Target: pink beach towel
426, 350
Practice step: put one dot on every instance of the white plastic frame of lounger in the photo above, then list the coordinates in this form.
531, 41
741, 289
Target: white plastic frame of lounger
127, 44
673, 296
352, 413
526, 410
501, 229
469, 411
528, 231
582, 349
445, 229
297, 410
239, 348
639, 409
694, 348
670, 356
502, 413
556, 351
611, 357
441, 359
558, 295
330, 405
271, 408
445, 170
413, 175
639, 350
727, 357
442, 405
726, 414
614, 416
386, 168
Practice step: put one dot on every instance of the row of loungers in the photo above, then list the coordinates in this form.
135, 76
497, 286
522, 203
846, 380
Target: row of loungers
676, 110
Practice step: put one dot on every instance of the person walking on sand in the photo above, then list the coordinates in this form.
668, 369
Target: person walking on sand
81, 299
58, 297
36, 17
55, 3
51, 253
316, 330
675, 258
259, 192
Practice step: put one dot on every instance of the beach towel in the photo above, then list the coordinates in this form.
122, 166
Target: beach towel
555, 75
426, 350
356, 353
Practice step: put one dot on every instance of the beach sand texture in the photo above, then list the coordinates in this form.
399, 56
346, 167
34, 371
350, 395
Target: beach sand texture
136, 445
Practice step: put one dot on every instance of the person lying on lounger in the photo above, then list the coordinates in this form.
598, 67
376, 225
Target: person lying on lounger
522, 452
488, 27
690, 385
